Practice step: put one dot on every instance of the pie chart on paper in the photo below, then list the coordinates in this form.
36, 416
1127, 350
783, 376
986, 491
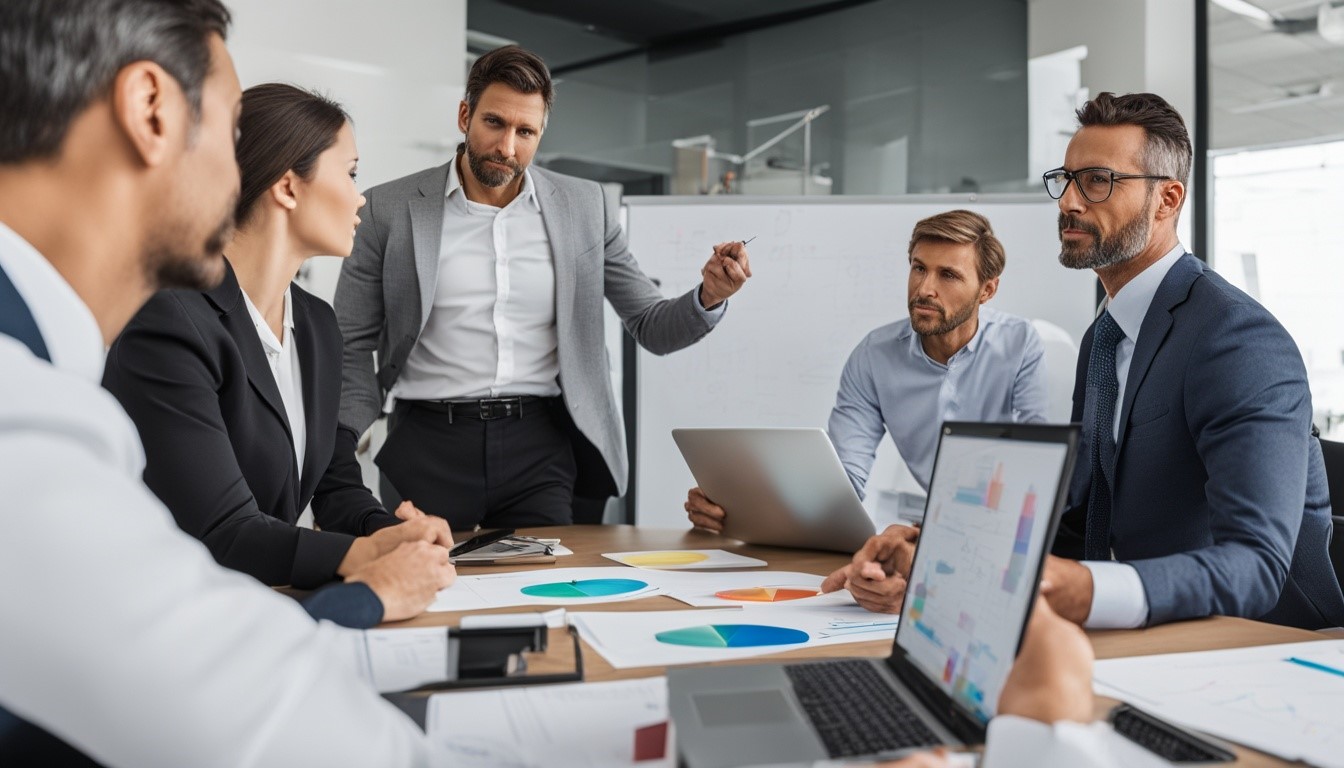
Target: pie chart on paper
664, 559
584, 588
732, 636
767, 594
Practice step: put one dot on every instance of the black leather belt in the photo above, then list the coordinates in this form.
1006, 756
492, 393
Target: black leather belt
485, 409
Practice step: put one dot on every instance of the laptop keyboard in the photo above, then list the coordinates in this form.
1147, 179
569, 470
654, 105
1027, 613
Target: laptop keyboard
855, 710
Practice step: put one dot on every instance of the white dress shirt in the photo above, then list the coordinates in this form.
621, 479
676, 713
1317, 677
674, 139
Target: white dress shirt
122, 636
283, 356
1118, 599
491, 330
1017, 742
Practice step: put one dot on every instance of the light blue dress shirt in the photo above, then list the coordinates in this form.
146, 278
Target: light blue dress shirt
1118, 599
891, 385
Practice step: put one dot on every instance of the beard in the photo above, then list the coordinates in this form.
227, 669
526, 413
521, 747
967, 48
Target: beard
491, 176
170, 265
1124, 245
943, 323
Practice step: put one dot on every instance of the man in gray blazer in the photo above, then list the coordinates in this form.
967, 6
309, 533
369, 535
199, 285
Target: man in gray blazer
479, 284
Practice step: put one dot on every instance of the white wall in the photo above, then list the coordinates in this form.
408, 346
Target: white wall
1132, 46
398, 68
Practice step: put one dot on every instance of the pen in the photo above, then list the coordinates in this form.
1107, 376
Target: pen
743, 242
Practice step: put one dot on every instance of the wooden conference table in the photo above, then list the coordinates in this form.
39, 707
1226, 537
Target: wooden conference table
589, 542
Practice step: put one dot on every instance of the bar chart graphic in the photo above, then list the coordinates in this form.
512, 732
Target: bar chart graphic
987, 491
1017, 562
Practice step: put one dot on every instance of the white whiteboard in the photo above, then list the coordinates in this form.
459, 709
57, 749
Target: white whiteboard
826, 271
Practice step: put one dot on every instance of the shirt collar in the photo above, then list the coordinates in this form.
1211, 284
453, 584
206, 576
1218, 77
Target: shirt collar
263, 329
1130, 304
527, 194
986, 317
68, 328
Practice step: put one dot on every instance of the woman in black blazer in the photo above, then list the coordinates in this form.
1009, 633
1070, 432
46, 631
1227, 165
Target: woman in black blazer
235, 390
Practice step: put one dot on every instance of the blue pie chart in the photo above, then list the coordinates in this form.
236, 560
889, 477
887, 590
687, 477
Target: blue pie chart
732, 636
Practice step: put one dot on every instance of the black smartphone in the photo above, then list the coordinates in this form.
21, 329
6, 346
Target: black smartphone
480, 540
1164, 739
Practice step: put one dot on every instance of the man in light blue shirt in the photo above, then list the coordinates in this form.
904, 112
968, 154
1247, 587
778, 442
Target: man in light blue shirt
1200, 488
951, 359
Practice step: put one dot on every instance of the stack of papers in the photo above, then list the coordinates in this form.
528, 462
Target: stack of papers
580, 724
1281, 699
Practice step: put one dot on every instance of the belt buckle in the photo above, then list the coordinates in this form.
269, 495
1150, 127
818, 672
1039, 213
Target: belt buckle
496, 408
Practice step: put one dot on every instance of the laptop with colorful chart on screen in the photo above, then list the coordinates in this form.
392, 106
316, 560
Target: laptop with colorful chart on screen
995, 498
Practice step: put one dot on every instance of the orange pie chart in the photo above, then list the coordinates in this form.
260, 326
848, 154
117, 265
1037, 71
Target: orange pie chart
766, 594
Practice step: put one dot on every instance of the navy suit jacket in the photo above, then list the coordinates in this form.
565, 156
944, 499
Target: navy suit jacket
192, 374
1220, 500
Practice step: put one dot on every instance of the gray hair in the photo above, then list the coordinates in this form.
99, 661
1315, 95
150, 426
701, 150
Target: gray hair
59, 56
1166, 149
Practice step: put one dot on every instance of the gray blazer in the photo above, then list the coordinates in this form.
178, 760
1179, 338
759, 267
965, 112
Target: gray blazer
386, 291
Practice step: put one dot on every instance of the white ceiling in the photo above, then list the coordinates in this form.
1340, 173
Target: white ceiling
1255, 72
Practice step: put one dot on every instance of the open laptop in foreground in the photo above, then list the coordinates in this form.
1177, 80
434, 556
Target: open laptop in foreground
995, 499
780, 487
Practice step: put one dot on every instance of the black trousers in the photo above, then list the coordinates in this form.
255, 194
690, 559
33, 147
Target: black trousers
510, 472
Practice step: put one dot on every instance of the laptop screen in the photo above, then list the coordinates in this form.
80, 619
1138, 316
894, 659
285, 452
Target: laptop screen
989, 512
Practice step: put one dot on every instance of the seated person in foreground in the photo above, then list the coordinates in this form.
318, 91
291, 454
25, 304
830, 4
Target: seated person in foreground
1199, 488
950, 359
235, 390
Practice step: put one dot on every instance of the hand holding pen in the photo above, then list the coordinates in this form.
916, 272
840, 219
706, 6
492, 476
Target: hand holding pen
725, 273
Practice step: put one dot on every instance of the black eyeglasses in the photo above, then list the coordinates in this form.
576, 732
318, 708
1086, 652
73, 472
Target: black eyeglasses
1095, 184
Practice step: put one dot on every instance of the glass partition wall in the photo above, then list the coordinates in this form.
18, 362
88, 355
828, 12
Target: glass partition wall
1276, 153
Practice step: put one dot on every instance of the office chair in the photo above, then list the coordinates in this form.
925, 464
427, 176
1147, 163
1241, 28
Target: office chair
1334, 473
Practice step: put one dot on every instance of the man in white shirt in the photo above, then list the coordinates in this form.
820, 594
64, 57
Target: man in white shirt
480, 285
1200, 488
124, 642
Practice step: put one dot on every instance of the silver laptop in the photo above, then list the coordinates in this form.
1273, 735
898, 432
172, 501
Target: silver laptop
781, 487
994, 503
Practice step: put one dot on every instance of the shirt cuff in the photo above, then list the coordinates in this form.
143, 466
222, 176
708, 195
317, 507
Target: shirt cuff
1018, 742
711, 316
1118, 598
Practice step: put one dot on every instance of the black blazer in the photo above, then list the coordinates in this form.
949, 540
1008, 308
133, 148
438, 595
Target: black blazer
192, 374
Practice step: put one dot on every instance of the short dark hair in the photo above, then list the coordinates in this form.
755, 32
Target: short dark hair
1166, 151
964, 228
59, 56
514, 66
281, 128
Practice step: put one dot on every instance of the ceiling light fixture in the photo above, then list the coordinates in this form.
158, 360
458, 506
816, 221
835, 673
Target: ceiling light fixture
1330, 24
1249, 10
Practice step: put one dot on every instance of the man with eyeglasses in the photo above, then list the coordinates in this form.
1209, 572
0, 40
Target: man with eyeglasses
1200, 488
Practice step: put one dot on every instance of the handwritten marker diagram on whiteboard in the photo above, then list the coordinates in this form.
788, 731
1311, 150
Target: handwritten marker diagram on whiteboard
674, 559
1282, 699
